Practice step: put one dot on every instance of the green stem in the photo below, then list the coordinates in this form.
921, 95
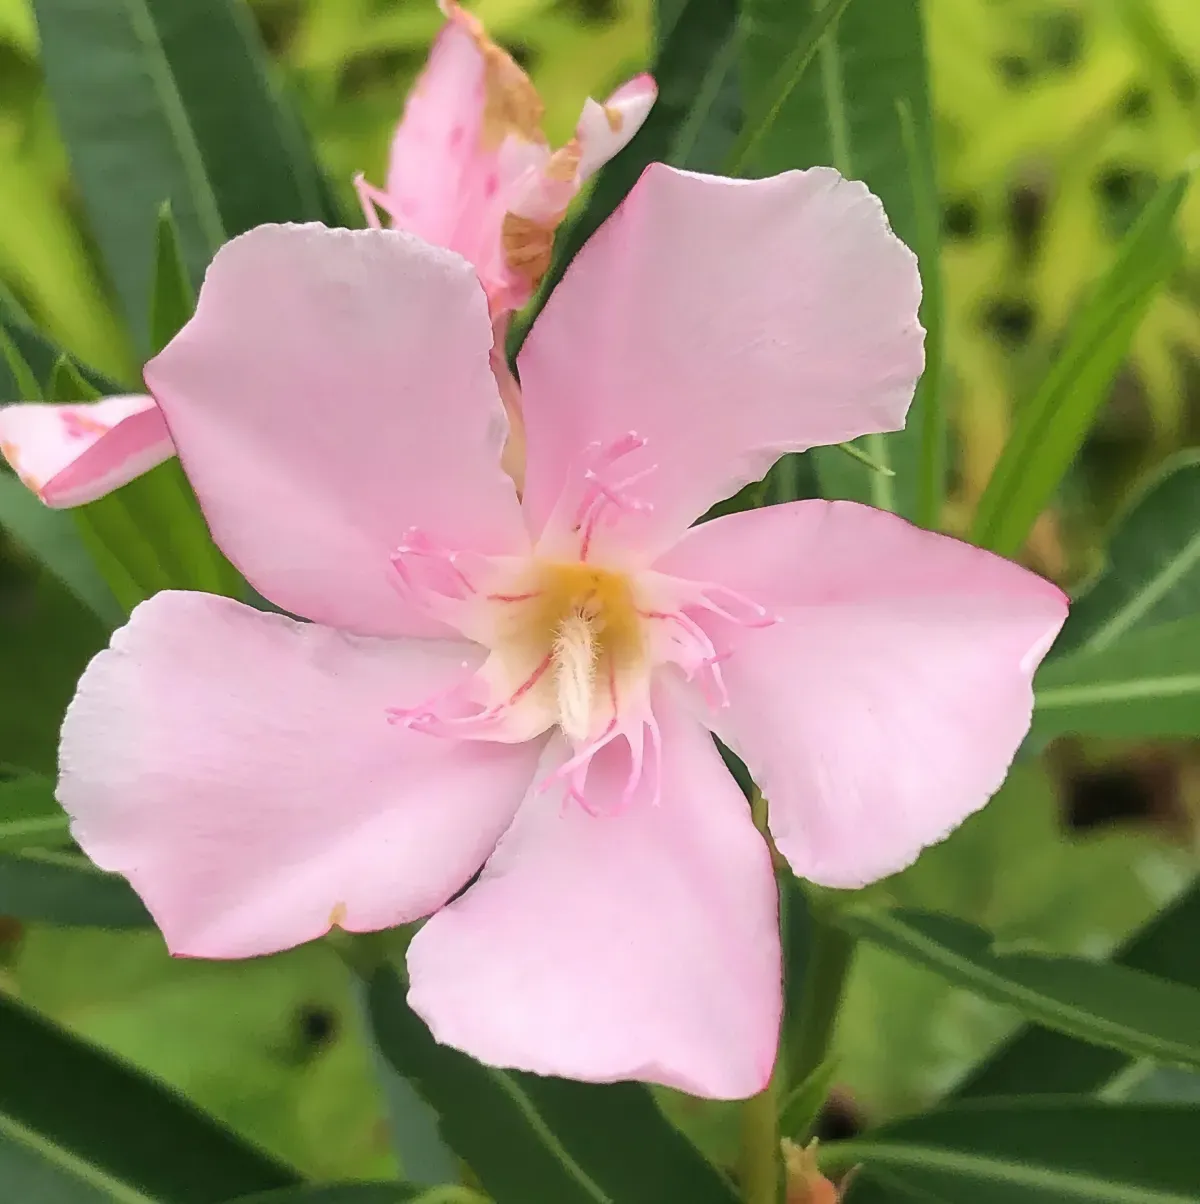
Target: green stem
806, 1046
760, 1161
760, 1167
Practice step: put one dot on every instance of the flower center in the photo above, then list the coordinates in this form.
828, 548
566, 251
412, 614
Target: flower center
587, 620
573, 634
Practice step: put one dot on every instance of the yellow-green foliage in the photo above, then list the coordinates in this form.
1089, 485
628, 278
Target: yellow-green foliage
1055, 121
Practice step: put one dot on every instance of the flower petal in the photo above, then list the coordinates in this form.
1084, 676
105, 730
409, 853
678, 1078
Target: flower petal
605, 129
239, 769
641, 945
72, 454
469, 125
542, 185
726, 322
332, 392
887, 704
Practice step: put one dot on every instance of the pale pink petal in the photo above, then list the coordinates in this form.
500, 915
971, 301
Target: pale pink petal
726, 322
605, 129
887, 704
437, 163
72, 454
637, 945
539, 186
240, 770
331, 392
452, 158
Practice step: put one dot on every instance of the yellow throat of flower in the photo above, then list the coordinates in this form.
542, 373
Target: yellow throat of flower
588, 620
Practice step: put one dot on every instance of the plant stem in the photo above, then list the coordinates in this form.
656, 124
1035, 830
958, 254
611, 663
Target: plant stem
806, 1046
760, 1161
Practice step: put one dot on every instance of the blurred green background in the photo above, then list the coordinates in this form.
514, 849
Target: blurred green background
1055, 121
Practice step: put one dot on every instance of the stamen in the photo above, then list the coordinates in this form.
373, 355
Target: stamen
575, 653
589, 493
753, 614
421, 548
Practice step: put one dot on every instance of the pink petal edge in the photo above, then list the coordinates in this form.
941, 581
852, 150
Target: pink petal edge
726, 322
887, 704
332, 392
239, 769
641, 945
72, 454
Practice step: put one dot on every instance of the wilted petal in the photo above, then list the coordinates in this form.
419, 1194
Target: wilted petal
72, 454
887, 704
636, 945
726, 322
451, 165
240, 770
605, 129
331, 392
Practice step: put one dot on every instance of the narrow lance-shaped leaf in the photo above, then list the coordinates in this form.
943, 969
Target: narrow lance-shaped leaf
67, 383
52, 538
1152, 568
1145, 685
773, 99
20, 383
57, 887
39, 353
173, 299
366, 1193
1053, 424
534, 1140
77, 1126
1039, 1060
150, 535
1098, 1002
1048, 1151
47, 636
29, 815
928, 407
161, 101
844, 113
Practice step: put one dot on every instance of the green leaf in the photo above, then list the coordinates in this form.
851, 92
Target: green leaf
67, 383
1105, 1004
22, 384
533, 1140
1152, 571
697, 38
412, 1123
40, 353
78, 1125
799, 1112
928, 409
847, 113
160, 101
30, 817
150, 535
173, 298
1051, 427
1146, 685
1040, 1151
47, 637
65, 888
52, 538
368, 1193
1039, 1060
761, 121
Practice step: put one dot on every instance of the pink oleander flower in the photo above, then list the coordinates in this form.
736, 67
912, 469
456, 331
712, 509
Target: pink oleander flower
470, 170
473, 125
524, 687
